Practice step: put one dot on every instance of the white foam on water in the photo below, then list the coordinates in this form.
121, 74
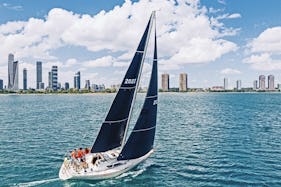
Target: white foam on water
34, 183
139, 170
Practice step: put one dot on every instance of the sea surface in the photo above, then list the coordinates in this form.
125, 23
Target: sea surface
202, 139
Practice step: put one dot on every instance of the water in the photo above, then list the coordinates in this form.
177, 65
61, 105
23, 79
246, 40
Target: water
213, 139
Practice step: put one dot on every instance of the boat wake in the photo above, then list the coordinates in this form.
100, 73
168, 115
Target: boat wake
35, 183
136, 172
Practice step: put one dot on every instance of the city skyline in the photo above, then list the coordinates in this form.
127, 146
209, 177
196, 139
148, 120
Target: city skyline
54, 84
209, 40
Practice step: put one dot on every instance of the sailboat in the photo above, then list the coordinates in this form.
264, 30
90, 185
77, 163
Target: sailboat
111, 155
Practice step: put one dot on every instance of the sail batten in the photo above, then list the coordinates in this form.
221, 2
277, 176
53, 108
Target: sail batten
111, 135
147, 129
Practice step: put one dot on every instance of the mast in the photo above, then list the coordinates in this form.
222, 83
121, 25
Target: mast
138, 80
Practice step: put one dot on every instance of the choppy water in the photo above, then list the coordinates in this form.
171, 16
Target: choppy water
212, 139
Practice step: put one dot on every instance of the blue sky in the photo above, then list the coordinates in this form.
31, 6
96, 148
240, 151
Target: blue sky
207, 39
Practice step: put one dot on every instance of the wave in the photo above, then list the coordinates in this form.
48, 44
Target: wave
35, 183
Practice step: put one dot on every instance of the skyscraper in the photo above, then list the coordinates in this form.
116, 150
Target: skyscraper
66, 86
38, 74
255, 85
165, 82
262, 82
16, 75
50, 80
54, 76
24, 79
87, 84
41, 86
238, 84
271, 82
183, 82
10, 71
58, 86
77, 80
13, 76
279, 87
1, 84
225, 83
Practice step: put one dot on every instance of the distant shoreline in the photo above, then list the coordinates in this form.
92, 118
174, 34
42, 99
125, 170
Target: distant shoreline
106, 93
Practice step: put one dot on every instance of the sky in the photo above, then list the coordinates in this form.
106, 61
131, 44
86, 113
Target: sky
209, 39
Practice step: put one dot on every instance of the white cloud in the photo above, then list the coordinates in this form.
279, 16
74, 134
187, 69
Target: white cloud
213, 10
185, 34
229, 16
70, 62
268, 41
166, 65
263, 62
177, 26
201, 50
121, 64
105, 61
265, 50
222, 2
12, 27
234, 16
257, 58
230, 71
12, 7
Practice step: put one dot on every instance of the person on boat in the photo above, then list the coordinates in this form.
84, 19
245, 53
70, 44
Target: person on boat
80, 154
86, 151
74, 154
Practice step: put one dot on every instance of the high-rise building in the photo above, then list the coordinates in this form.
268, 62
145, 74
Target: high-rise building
183, 82
10, 71
41, 86
38, 74
262, 82
66, 86
77, 80
238, 84
165, 82
24, 79
271, 82
279, 87
16, 75
87, 85
13, 75
255, 85
225, 83
59, 86
98, 88
1, 84
54, 78
50, 80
